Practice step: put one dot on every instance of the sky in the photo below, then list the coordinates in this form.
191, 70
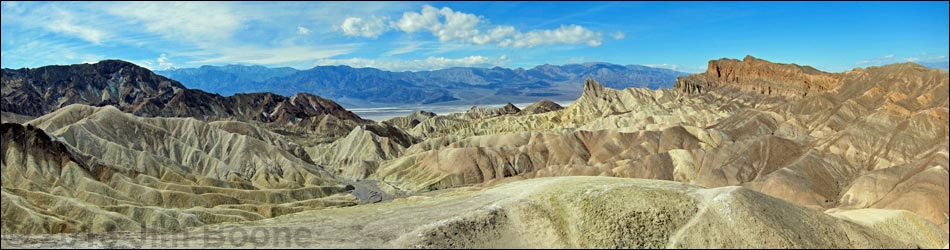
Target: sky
413, 36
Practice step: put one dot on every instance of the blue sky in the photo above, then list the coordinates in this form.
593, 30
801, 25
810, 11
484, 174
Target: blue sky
831, 36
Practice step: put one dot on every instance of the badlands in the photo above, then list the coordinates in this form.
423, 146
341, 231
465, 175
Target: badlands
749, 154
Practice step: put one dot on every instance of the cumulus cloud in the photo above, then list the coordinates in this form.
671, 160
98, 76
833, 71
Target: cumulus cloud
163, 62
567, 34
303, 31
370, 27
456, 26
160, 63
618, 35
427, 19
430, 63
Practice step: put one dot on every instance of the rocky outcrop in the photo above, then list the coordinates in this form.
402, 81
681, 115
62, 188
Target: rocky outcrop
757, 76
36, 92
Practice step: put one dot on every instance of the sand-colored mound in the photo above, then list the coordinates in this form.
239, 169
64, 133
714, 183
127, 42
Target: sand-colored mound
899, 224
103, 170
568, 212
358, 155
439, 164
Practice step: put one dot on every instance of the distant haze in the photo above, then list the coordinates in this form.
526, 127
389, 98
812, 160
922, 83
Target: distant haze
370, 87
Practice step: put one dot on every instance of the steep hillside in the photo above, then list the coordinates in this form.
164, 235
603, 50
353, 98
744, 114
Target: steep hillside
97, 169
136, 90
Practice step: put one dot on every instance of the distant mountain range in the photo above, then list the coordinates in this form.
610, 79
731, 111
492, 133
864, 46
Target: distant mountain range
363, 87
945, 65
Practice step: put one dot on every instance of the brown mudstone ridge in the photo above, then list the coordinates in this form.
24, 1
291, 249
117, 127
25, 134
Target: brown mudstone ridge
136, 90
753, 75
481, 113
410, 121
542, 106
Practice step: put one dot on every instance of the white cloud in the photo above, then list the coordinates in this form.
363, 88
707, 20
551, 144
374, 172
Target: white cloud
926, 57
409, 47
891, 58
427, 19
303, 31
54, 19
66, 25
275, 56
430, 63
566, 34
370, 27
877, 61
456, 26
163, 62
160, 63
677, 67
499, 33
618, 35
204, 23
39, 52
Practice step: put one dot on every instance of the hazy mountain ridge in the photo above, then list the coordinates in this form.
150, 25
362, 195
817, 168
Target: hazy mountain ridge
223, 79
945, 65
136, 90
458, 85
